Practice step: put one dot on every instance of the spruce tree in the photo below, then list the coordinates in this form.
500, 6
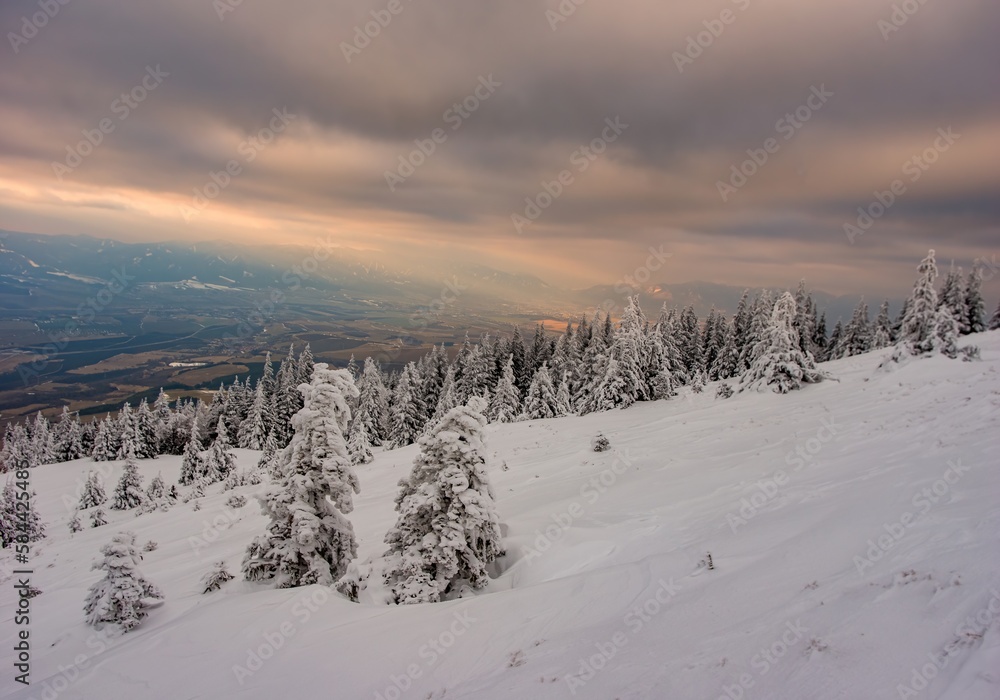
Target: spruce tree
505, 404
919, 327
120, 596
780, 363
19, 520
373, 402
358, 445
191, 464
309, 540
953, 297
882, 330
448, 532
128, 493
408, 414
995, 319
92, 493
974, 304
218, 461
541, 401
253, 430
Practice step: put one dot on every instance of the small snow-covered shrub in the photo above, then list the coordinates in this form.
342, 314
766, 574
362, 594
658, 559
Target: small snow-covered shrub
600, 443
150, 546
236, 501
74, 523
724, 391
214, 579
97, 518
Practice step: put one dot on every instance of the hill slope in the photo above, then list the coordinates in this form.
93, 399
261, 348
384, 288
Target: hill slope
853, 526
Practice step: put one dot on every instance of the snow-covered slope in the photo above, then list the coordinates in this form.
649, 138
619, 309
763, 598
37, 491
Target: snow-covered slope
854, 530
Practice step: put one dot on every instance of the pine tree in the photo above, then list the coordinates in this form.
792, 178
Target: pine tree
97, 518
974, 303
128, 493
19, 520
43, 443
268, 455
373, 402
105, 442
448, 531
218, 461
92, 493
759, 322
953, 297
146, 440
126, 431
882, 330
919, 327
408, 412
309, 540
69, 436
856, 337
253, 430
157, 489
191, 465
448, 399
780, 364
74, 524
358, 445
18, 452
119, 597
541, 401
946, 332
630, 353
564, 400
506, 402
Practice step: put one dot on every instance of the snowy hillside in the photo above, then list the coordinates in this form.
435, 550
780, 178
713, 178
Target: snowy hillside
853, 527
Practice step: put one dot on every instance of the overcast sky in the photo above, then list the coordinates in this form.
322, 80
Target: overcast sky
844, 94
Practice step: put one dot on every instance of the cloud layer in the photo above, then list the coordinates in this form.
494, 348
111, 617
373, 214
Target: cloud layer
750, 132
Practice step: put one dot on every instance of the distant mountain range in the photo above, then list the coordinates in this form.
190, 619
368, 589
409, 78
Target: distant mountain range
56, 270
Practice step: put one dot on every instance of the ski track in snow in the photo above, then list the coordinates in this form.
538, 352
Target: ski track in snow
622, 575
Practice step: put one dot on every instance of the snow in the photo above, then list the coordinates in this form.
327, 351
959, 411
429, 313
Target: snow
908, 456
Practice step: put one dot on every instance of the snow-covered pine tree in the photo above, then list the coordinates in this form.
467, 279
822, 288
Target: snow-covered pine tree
305, 366
781, 365
146, 440
68, 438
128, 493
215, 578
74, 524
564, 400
448, 531
105, 442
358, 445
882, 328
630, 353
157, 489
541, 401
974, 303
856, 338
253, 430
506, 402
43, 443
268, 455
125, 429
759, 321
690, 345
953, 296
218, 461
408, 414
448, 399
19, 520
92, 494
97, 518
918, 330
373, 402
946, 332
120, 597
191, 464
18, 452
309, 540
